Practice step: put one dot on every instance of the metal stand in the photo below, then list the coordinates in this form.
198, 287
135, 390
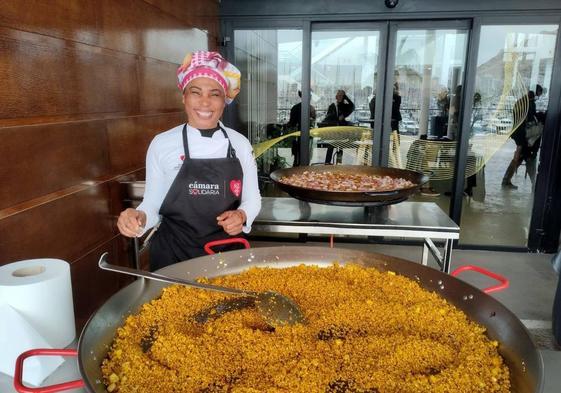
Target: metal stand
412, 220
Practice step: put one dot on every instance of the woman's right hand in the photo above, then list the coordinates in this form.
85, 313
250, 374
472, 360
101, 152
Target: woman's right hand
131, 222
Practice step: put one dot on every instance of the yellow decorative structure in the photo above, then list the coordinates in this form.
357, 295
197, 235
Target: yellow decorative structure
439, 156
356, 142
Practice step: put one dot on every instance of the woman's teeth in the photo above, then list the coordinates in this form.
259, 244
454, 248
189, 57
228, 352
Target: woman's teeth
206, 115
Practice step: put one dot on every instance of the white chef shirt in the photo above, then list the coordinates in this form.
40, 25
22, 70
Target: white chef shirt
165, 157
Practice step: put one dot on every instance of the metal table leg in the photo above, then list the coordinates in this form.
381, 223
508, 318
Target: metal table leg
449, 243
425, 255
442, 260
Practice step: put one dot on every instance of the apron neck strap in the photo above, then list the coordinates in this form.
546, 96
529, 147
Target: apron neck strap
231, 150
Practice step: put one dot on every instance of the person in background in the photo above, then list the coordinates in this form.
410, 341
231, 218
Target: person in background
336, 115
294, 124
201, 178
524, 151
296, 114
372, 107
339, 110
396, 104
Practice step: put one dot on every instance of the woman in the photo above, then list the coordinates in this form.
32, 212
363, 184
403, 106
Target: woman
201, 178
339, 110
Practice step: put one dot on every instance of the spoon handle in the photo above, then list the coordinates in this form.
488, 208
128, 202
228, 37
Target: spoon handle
103, 264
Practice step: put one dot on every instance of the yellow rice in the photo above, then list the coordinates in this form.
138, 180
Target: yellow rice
367, 331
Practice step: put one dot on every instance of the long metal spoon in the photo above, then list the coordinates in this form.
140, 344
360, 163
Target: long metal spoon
276, 309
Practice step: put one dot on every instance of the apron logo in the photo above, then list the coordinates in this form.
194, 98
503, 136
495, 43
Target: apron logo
203, 189
236, 187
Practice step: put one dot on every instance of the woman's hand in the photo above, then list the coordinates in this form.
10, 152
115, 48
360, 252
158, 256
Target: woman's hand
232, 221
131, 222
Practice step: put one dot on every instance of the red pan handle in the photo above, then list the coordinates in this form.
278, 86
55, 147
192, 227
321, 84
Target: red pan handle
504, 283
18, 376
231, 240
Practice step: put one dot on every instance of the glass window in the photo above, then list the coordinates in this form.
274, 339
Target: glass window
271, 65
343, 81
429, 70
514, 68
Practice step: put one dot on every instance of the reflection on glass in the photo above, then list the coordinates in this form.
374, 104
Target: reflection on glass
271, 65
343, 75
514, 68
429, 68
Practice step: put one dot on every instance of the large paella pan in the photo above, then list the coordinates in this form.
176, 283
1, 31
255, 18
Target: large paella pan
516, 346
349, 198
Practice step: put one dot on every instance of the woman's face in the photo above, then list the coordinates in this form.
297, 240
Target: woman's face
204, 102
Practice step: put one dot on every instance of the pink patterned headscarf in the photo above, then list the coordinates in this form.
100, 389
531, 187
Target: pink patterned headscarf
212, 65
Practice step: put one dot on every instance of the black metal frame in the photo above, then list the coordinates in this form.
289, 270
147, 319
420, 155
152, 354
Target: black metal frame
545, 225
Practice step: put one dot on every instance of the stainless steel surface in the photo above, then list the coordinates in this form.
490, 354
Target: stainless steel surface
516, 345
350, 198
274, 307
421, 220
420, 216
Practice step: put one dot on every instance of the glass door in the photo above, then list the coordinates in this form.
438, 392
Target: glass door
270, 61
424, 80
513, 75
347, 61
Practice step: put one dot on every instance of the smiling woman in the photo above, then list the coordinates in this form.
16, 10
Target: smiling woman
201, 178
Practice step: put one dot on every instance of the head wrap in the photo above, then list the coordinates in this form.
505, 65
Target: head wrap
212, 65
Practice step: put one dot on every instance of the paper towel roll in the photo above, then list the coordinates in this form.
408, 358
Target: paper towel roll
40, 290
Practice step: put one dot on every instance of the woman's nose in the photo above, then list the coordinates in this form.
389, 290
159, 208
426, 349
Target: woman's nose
205, 100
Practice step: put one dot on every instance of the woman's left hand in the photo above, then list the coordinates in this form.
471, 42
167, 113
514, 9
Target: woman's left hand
232, 221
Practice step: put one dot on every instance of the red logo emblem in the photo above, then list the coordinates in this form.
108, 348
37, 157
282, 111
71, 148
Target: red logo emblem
182, 157
236, 187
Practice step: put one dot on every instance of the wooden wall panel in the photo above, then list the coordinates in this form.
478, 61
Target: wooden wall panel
202, 14
128, 138
51, 80
65, 228
41, 159
138, 27
148, 28
72, 20
85, 87
158, 89
91, 286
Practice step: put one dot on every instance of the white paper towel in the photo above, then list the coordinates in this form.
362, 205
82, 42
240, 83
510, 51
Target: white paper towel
18, 336
36, 312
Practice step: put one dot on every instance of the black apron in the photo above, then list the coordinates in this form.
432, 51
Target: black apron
202, 190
